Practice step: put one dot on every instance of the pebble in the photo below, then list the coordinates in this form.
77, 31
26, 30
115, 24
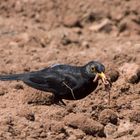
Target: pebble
108, 116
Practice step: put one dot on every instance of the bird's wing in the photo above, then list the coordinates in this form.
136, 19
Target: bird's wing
45, 82
53, 82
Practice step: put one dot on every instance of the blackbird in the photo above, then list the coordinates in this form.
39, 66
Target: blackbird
64, 81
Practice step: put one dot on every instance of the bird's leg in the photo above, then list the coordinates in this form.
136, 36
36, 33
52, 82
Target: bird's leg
62, 102
59, 101
70, 90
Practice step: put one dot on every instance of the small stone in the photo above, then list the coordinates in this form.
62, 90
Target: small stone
125, 87
125, 128
136, 132
122, 27
71, 38
138, 74
43, 135
110, 129
108, 116
30, 117
2, 92
57, 127
135, 104
105, 26
19, 86
27, 113
114, 75
13, 44
72, 137
134, 79
85, 44
24, 37
89, 137
135, 116
72, 21
60, 136
18, 6
78, 133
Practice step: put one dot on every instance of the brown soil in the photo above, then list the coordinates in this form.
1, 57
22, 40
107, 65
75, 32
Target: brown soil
35, 34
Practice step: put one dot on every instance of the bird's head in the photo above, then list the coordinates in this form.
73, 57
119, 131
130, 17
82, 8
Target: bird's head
95, 70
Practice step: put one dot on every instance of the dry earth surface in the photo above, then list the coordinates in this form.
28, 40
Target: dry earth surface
36, 34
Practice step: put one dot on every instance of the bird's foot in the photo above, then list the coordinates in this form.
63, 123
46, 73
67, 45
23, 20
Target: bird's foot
59, 102
62, 102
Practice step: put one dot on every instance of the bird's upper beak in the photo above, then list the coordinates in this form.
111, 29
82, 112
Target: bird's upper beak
102, 75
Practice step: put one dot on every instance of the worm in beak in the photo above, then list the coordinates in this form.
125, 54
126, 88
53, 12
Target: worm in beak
106, 83
102, 76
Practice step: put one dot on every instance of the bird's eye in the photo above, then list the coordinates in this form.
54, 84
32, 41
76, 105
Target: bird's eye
93, 69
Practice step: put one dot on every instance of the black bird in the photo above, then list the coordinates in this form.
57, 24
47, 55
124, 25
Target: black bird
64, 81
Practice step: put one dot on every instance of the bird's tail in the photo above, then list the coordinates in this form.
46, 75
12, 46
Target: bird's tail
12, 77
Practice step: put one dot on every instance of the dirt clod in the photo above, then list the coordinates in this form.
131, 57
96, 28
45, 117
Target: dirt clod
131, 72
72, 20
108, 116
110, 129
136, 132
84, 123
114, 75
135, 116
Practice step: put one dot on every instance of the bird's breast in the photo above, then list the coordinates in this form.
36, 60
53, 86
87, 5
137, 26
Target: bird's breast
82, 91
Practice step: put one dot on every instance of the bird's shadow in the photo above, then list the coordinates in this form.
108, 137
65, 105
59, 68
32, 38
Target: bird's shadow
51, 100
